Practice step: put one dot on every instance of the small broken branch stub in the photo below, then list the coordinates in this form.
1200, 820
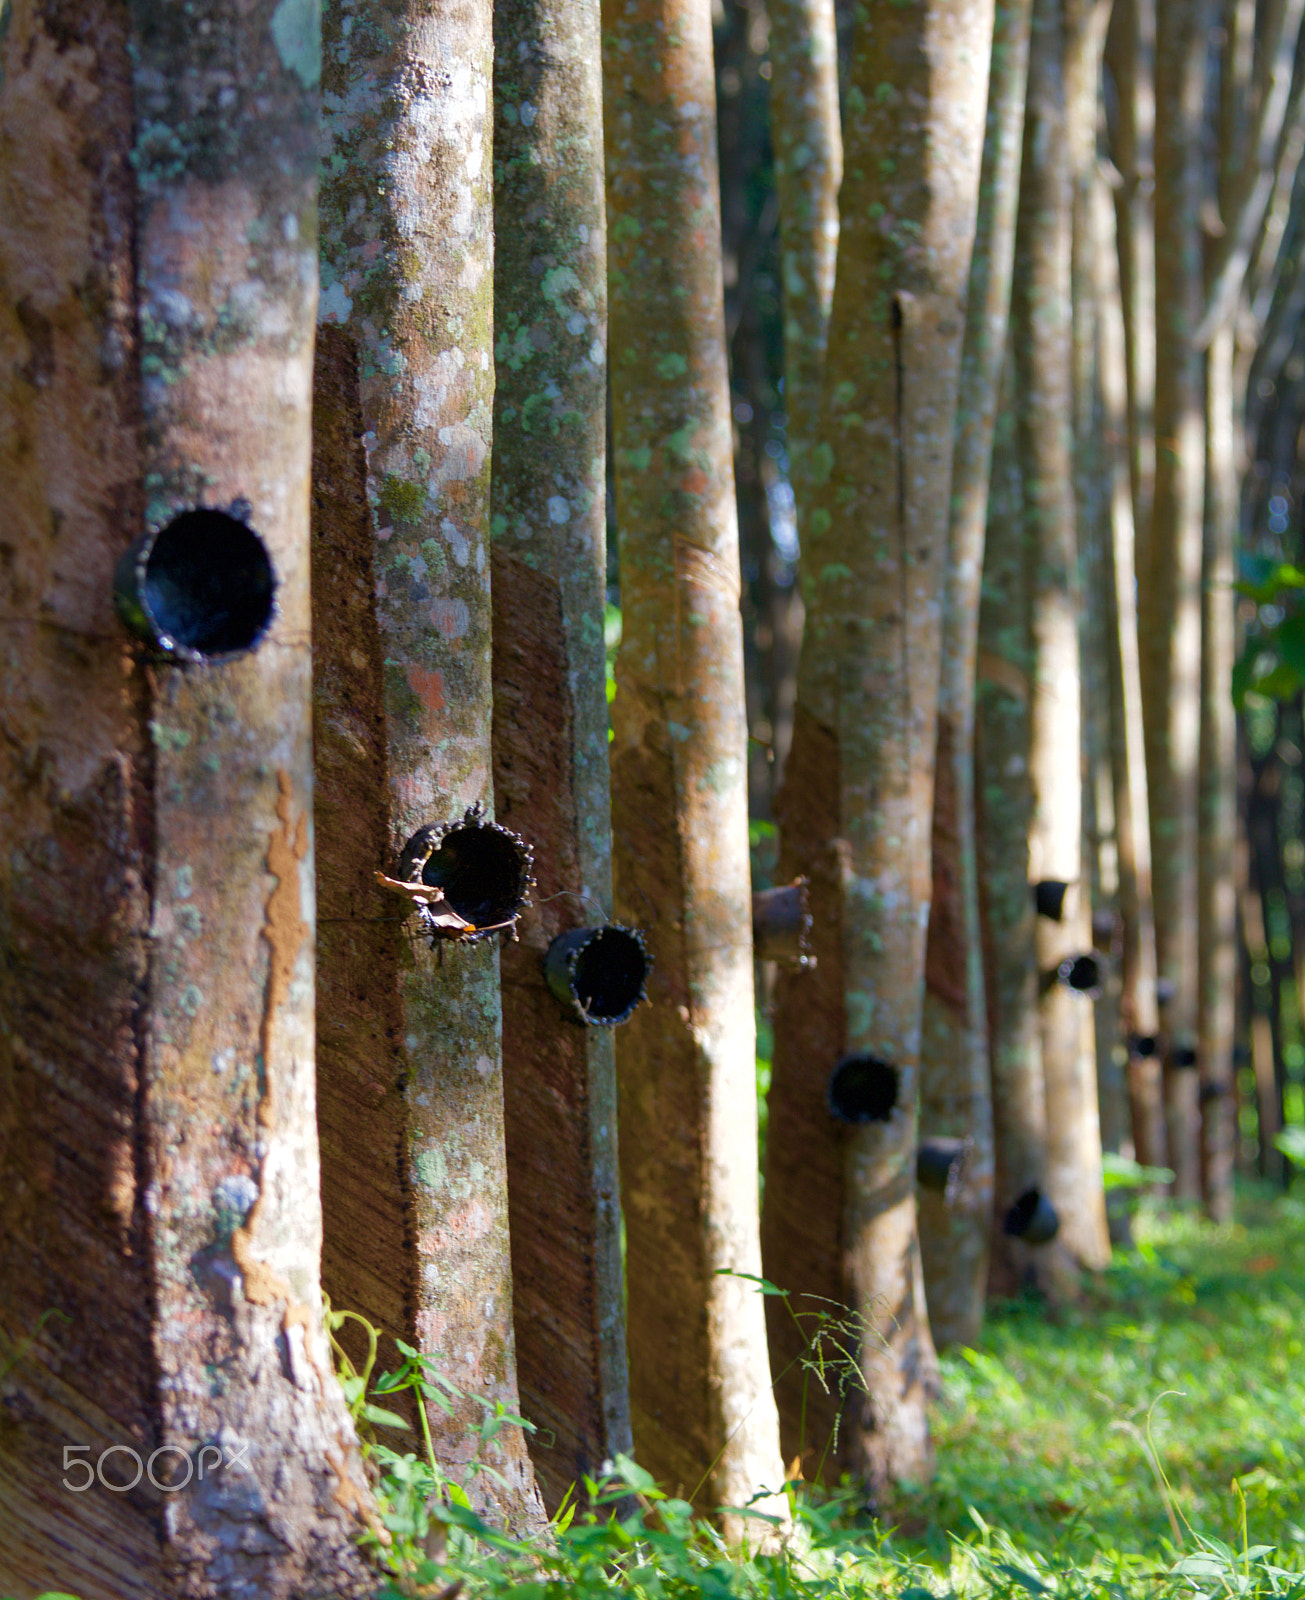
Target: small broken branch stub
467, 879
599, 974
201, 588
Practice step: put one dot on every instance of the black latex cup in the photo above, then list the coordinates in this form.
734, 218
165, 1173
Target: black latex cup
599, 974
200, 589
1032, 1218
863, 1088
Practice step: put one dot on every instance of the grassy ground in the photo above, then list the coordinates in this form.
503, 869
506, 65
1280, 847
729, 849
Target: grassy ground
1148, 1444
1187, 1357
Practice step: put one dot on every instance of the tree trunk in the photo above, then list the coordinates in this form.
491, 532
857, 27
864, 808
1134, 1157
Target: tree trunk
704, 1420
1003, 812
1130, 55
161, 1227
1137, 974
808, 170
1042, 316
407, 300
1216, 883
1169, 580
955, 1071
550, 725
869, 678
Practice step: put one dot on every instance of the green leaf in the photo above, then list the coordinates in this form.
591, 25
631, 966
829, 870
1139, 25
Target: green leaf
383, 1418
1291, 1141
1026, 1580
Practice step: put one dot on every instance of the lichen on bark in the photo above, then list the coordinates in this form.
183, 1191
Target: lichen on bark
550, 723
703, 1416
872, 556
408, 279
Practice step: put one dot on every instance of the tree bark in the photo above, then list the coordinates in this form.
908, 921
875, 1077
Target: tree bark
808, 170
868, 682
550, 725
1137, 1003
1169, 579
1216, 883
408, 289
159, 866
955, 1071
1042, 316
1003, 812
704, 1419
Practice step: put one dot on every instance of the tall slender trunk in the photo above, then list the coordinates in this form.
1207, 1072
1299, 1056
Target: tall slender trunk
1003, 813
550, 725
161, 1217
1216, 884
808, 170
1137, 1004
413, 1098
868, 682
955, 1074
704, 1420
1043, 345
1169, 577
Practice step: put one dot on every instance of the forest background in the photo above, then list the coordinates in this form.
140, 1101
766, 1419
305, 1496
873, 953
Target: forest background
916, 392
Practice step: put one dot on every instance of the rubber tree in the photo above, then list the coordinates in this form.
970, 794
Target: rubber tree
172, 1424
550, 726
955, 1075
867, 702
808, 144
1003, 812
703, 1418
1044, 389
1118, 602
411, 1060
1169, 565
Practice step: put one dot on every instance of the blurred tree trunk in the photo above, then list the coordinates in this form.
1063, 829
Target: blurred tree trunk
159, 1294
1137, 1001
808, 170
1003, 813
867, 694
1130, 57
808, 141
1043, 379
955, 1074
704, 1420
1216, 884
1169, 577
550, 724
1085, 28
412, 1106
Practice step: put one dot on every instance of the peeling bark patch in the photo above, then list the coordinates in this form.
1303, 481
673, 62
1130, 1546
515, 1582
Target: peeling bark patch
285, 931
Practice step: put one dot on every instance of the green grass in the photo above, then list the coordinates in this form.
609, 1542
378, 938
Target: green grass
1148, 1444
1194, 1340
